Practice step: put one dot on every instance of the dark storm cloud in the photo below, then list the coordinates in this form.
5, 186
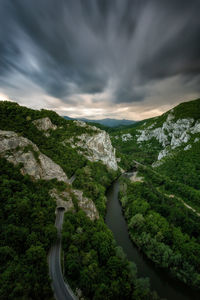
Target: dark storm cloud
70, 47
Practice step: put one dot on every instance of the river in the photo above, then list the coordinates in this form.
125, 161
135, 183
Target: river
161, 282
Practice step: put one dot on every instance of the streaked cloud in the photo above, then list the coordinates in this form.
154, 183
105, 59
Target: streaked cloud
97, 58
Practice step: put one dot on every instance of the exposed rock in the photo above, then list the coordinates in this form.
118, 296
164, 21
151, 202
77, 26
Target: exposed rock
86, 205
17, 149
162, 154
171, 135
80, 123
188, 147
126, 137
136, 178
196, 128
63, 199
157, 163
44, 124
99, 148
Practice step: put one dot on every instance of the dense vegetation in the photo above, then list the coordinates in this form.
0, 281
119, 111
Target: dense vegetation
93, 179
160, 224
27, 232
19, 119
147, 151
94, 263
190, 109
158, 220
184, 167
130, 150
163, 211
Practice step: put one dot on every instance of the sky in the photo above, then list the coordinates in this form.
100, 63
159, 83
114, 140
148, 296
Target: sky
131, 59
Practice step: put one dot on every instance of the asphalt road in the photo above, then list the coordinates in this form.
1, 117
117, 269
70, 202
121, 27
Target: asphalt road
61, 290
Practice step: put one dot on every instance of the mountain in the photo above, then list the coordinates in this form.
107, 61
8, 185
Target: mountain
161, 201
105, 122
49, 163
46, 163
160, 137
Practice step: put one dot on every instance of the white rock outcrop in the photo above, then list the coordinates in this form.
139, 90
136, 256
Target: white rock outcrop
98, 146
188, 147
63, 199
44, 124
87, 205
126, 137
17, 149
195, 128
162, 154
172, 134
80, 123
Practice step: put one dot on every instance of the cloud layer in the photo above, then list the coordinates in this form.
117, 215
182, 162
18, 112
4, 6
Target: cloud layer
99, 58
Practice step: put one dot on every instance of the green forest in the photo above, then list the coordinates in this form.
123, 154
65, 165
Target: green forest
162, 211
95, 264
92, 260
27, 232
162, 226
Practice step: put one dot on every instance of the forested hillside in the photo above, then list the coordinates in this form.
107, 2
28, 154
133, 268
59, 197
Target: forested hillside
27, 232
30, 192
162, 202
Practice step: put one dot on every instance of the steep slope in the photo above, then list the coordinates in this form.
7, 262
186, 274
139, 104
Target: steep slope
77, 145
153, 139
178, 128
162, 207
17, 149
27, 232
46, 162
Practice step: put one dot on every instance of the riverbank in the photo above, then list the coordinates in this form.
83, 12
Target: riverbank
165, 286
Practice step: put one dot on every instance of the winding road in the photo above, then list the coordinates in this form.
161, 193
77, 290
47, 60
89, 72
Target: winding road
61, 289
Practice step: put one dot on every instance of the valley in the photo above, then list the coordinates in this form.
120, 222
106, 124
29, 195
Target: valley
48, 162
167, 287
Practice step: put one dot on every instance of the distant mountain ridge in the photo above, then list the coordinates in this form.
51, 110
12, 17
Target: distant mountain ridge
106, 122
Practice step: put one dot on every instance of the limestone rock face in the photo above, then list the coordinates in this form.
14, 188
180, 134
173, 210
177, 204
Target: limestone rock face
86, 205
162, 154
99, 148
44, 124
171, 135
17, 149
126, 137
188, 147
63, 199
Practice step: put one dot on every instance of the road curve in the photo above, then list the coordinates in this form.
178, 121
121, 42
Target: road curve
61, 290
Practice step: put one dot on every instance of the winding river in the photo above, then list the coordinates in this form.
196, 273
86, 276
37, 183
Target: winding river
165, 286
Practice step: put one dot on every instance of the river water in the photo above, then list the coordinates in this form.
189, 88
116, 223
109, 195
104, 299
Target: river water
161, 282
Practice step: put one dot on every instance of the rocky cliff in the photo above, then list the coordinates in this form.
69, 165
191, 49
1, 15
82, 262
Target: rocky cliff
96, 146
172, 134
17, 149
44, 124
